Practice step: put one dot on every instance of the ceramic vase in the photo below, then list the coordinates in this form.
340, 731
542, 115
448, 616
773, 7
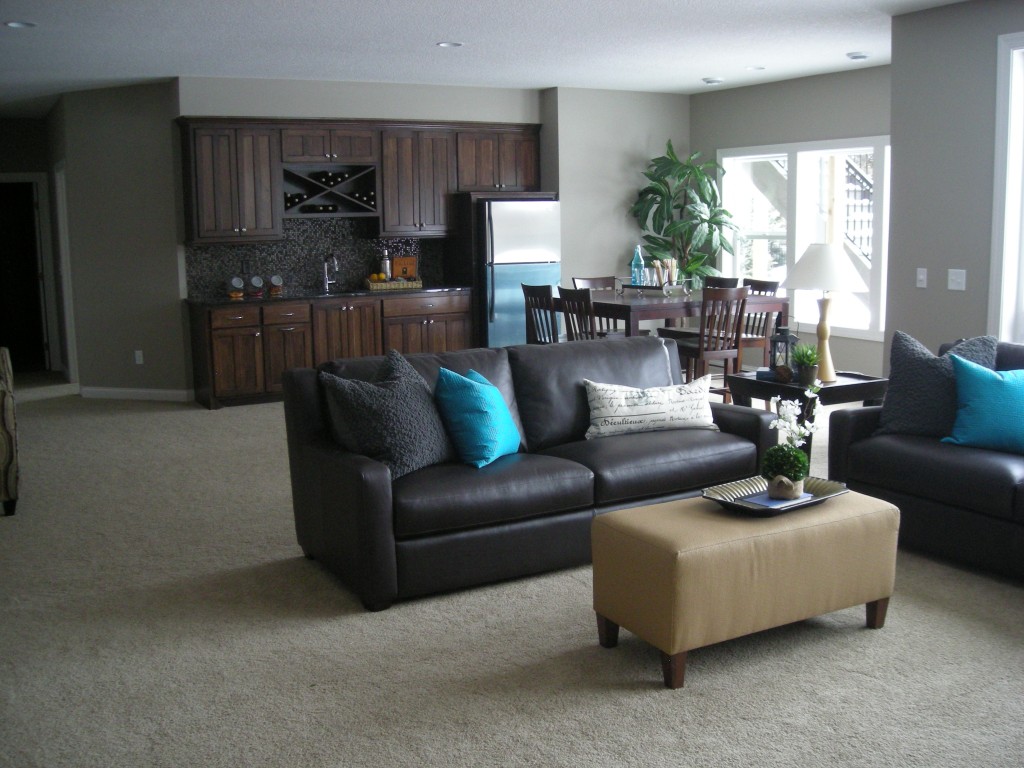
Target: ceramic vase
781, 487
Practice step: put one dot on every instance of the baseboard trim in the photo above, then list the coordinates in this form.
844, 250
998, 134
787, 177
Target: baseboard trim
162, 395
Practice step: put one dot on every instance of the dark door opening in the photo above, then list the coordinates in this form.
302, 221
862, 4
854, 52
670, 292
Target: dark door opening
21, 315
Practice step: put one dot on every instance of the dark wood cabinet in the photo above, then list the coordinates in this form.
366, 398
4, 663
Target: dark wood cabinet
234, 179
427, 323
418, 174
327, 144
287, 341
498, 160
240, 351
346, 327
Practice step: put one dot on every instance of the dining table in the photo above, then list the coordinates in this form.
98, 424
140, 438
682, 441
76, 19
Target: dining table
633, 306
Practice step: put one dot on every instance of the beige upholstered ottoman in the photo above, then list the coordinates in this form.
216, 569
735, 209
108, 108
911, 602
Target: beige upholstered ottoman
689, 573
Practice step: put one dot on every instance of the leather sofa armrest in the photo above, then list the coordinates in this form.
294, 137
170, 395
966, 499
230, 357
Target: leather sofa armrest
342, 501
749, 423
845, 427
346, 520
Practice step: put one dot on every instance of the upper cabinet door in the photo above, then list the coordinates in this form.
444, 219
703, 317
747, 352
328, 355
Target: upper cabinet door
259, 183
326, 144
498, 160
235, 184
417, 178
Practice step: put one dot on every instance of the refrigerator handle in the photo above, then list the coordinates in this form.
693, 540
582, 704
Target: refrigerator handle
490, 265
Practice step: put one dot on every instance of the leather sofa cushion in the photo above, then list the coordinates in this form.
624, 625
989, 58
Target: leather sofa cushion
549, 378
448, 497
641, 465
983, 481
491, 363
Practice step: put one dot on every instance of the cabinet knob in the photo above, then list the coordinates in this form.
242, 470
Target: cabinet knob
235, 229
327, 154
257, 333
287, 314
288, 329
235, 317
424, 322
431, 322
244, 229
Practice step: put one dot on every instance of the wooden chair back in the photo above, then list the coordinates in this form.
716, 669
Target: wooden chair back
594, 283
759, 326
541, 318
578, 313
717, 281
604, 325
718, 337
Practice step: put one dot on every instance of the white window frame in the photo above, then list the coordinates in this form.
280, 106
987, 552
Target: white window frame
1006, 273
796, 241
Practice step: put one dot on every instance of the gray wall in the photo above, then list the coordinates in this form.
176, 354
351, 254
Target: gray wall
943, 129
839, 106
124, 191
605, 139
119, 149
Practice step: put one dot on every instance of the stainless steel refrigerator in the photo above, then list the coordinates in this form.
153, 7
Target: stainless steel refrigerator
501, 243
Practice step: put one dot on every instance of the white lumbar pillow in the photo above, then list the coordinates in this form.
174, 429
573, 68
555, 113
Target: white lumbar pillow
616, 409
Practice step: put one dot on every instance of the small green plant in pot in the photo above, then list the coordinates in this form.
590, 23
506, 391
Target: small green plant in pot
786, 465
805, 360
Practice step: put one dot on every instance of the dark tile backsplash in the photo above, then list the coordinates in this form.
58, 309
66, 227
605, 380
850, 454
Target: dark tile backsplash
300, 256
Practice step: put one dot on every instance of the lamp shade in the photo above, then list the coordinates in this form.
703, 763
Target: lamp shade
825, 267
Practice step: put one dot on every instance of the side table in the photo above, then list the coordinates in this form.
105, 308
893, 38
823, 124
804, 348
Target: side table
848, 387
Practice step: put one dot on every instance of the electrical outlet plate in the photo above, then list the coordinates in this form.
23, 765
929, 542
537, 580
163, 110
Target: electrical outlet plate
138, 357
956, 279
922, 277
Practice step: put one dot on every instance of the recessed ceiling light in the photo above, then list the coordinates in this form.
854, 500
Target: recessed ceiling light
857, 55
19, 24
712, 80
449, 44
755, 68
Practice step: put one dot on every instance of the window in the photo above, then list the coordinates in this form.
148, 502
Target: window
785, 197
1006, 286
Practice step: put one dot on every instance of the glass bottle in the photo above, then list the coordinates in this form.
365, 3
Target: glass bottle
637, 267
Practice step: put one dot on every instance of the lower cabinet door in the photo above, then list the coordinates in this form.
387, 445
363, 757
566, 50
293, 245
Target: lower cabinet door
284, 347
346, 328
237, 361
438, 333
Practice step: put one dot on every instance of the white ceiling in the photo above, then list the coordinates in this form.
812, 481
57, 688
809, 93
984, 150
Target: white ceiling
639, 45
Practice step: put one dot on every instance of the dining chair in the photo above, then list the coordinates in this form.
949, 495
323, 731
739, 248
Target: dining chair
718, 339
718, 281
541, 318
758, 327
578, 312
604, 325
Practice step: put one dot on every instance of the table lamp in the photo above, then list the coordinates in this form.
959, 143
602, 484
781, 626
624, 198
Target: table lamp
824, 267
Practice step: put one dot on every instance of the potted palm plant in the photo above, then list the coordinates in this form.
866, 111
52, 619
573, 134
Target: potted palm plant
681, 216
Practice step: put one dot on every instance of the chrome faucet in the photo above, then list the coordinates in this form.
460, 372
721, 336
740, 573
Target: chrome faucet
330, 268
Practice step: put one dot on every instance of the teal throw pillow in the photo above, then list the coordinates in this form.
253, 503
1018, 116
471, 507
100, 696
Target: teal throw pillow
990, 412
476, 416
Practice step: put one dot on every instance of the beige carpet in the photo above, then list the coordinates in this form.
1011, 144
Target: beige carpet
156, 611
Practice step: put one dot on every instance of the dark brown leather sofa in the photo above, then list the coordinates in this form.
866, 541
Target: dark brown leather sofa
450, 526
961, 503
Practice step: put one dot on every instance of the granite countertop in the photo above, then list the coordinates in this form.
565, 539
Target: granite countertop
301, 294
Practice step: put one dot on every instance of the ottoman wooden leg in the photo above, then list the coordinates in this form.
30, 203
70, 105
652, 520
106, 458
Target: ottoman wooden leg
673, 669
607, 632
876, 613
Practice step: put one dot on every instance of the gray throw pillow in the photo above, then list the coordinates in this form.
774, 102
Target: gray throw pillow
921, 397
392, 419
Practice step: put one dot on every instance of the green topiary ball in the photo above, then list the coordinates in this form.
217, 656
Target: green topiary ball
786, 460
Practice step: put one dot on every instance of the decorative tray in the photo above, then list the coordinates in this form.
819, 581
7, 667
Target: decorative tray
750, 496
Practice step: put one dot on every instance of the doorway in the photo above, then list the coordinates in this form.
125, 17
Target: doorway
22, 320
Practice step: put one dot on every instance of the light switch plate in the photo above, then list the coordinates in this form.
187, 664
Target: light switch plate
922, 277
957, 279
